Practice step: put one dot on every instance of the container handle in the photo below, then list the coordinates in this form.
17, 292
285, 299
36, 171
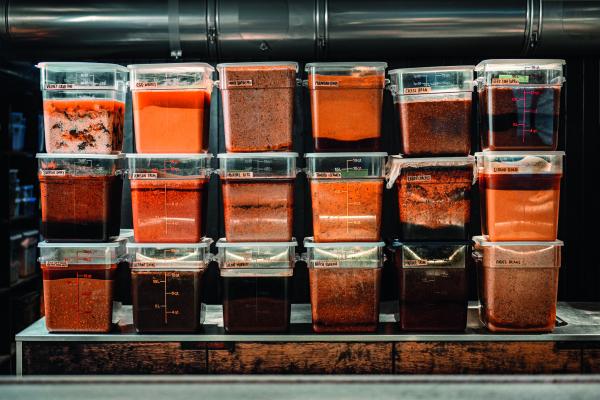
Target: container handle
392, 172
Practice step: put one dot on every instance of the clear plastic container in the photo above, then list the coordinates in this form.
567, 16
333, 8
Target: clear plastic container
520, 194
168, 196
258, 196
80, 196
518, 284
435, 109
258, 105
432, 285
519, 103
347, 195
345, 285
257, 280
166, 285
173, 97
29, 244
84, 106
346, 101
78, 284
434, 196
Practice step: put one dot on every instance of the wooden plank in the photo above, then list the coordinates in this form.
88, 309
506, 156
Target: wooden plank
486, 358
113, 358
302, 358
591, 361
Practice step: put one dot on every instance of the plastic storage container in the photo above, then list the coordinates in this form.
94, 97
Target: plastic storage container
29, 253
84, 107
168, 196
257, 280
78, 284
258, 196
345, 285
518, 284
346, 101
258, 105
432, 285
347, 195
80, 196
166, 285
435, 109
520, 194
519, 103
434, 196
174, 98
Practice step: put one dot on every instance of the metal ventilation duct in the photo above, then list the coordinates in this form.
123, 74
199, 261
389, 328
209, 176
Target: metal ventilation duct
296, 29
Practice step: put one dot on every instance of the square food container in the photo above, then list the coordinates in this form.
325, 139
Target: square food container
258, 196
257, 280
166, 285
434, 196
78, 284
173, 97
434, 106
432, 285
258, 105
345, 285
80, 196
519, 103
518, 284
520, 194
346, 101
168, 196
347, 195
84, 106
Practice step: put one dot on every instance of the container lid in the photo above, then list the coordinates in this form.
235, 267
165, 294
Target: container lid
432, 254
345, 165
61, 255
481, 241
360, 255
224, 243
396, 163
345, 66
246, 65
169, 256
518, 254
51, 164
520, 162
340, 75
169, 166
244, 166
423, 80
171, 76
511, 72
309, 242
82, 76
256, 259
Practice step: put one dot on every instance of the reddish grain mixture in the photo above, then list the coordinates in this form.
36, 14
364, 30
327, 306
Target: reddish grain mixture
79, 298
168, 210
435, 127
84, 126
80, 208
346, 210
345, 299
346, 111
258, 211
518, 289
435, 202
258, 107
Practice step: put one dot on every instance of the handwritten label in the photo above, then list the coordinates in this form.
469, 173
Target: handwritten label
240, 174
143, 264
414, 263
327, 83
237, 264
240, 83
328, 175
417, 90
54, 172
146, 84
510, 80
326, 264
507, 262
418, 178
70, 86
144, 175
56, 264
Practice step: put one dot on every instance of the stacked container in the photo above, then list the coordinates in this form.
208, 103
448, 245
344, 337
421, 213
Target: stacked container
169, 177
81, 184
257, 175
518, 256
434, 176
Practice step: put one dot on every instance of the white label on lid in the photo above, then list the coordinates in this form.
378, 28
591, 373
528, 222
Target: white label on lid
418, 178
146, 84
417, 90
53, 172
143, 264
237, 264
326, 263
240, 83
327, 83
144, 175
328, 174
56, 264
70, 86
240, 174
414, 263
